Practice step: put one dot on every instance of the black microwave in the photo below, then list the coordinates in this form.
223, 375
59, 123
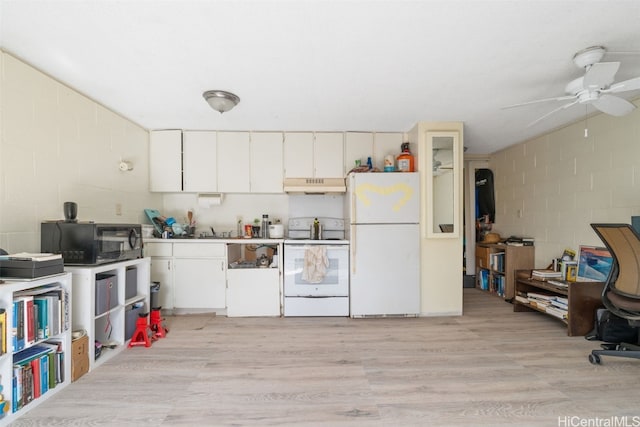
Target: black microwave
91, 243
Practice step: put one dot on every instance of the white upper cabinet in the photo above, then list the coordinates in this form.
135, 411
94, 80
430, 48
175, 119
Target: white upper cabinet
266, 162
358, 146
328, 155
298, 154
309, 155
165, 160
200, 161
234, 166
386, 143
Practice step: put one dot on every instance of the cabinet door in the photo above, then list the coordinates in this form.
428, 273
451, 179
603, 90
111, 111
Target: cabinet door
162, 271
266, 162
200, 283
328, 155
165, 160
298, 155
386, 143
234, 169
199, 157
357, 146
253, 292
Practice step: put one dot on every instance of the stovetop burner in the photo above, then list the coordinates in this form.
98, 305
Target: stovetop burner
333, 230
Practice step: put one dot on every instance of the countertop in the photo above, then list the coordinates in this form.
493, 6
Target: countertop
195, 240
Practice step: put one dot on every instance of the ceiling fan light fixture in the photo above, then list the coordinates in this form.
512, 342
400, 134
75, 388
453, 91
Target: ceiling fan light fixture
221, 100
589, 56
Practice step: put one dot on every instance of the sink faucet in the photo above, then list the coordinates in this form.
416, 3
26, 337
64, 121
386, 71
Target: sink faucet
213, 232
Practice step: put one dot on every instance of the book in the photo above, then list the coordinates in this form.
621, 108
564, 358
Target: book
3, 331
544, 275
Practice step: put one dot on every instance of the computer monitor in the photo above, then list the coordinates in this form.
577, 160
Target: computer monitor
594, 264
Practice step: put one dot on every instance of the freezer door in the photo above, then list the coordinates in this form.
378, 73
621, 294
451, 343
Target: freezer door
385, 270
384, 198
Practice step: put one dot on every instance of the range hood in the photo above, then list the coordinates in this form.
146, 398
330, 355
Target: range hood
314, 185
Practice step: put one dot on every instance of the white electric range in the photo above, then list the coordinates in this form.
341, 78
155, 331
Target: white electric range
316, 271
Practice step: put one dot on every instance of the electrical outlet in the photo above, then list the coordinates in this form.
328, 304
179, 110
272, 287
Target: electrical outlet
118, 209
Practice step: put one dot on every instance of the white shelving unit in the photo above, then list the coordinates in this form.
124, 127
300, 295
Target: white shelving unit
7, 292
107, 327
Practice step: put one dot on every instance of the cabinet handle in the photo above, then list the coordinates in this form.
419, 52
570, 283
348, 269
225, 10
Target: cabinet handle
168, 264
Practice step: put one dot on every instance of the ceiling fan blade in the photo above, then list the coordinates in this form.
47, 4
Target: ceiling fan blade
562, 107
613, 105
557, 98
631, 84
600, 75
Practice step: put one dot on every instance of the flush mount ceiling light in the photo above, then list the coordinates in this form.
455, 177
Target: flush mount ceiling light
220, 100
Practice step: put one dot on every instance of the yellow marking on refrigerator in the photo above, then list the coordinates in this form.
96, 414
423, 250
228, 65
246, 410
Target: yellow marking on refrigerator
401, 187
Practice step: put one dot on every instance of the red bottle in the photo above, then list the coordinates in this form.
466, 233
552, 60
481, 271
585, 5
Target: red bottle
405, 159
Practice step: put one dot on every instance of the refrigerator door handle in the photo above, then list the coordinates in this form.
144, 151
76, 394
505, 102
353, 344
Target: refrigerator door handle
352, 245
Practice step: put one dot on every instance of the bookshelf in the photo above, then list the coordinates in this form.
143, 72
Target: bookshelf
496, 264
59, 337
102, 314
583, 298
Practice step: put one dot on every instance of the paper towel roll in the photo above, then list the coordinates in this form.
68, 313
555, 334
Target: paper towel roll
208, 200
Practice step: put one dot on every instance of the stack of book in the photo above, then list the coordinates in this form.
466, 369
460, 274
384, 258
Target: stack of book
552, 304
544, 275
520, 241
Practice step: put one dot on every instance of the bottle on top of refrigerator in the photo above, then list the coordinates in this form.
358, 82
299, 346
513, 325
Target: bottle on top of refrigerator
405, 159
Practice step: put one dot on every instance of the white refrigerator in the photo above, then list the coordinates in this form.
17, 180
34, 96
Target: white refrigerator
382, 211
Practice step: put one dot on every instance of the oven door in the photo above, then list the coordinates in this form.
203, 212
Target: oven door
305, 275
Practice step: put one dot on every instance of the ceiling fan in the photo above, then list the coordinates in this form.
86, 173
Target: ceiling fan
594, 88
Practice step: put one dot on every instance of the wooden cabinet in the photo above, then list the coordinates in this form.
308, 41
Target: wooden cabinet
106, 326
583, 298
253, 291
496, 265
357, 146
200, 161
266, 162
193, 277
12, 290
234, 169
161, 270
328, 155
309, 155
165, 161
386, 143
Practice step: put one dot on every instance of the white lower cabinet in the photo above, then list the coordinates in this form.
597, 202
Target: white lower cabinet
192, 275
199, 284
162, 272
253, 292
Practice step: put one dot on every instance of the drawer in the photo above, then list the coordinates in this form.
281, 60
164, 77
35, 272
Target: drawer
200, 250
482, 256
158, 249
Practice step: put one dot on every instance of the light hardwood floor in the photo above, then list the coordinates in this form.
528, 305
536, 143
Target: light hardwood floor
489, 367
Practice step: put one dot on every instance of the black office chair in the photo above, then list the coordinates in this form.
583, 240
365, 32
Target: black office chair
621, 293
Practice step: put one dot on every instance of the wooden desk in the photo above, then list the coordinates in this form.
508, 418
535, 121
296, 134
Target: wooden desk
583, 300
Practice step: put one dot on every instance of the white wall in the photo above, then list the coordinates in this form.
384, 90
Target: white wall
223, 217
57, 145
553, 187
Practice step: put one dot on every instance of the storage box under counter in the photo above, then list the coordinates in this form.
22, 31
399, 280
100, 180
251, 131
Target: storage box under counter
79, 357
106, 293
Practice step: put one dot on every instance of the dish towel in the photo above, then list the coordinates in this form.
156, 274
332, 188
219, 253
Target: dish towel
315, 264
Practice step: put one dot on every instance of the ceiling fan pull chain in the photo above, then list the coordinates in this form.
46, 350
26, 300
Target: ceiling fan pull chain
586, 122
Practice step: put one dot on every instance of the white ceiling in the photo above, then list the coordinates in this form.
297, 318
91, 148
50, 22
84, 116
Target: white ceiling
326, 65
